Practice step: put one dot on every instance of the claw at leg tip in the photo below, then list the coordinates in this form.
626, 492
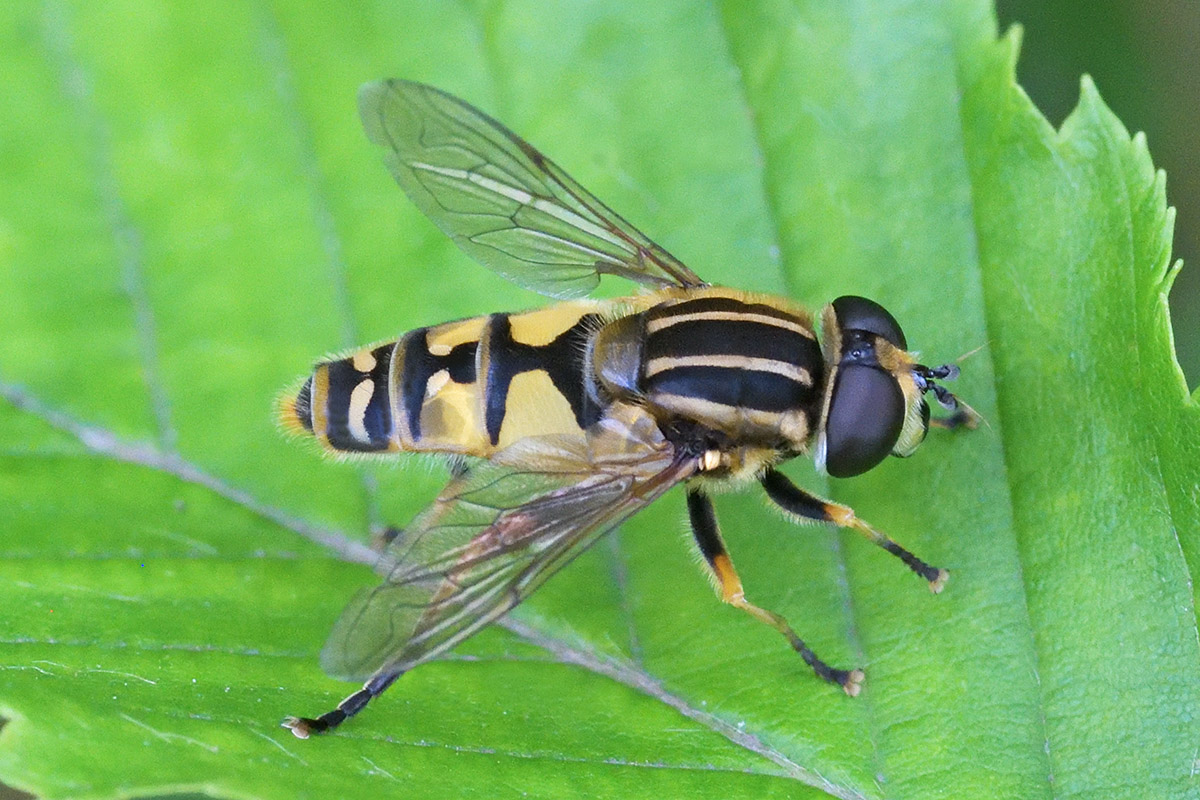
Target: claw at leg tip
853, 684
299, 727
937, 584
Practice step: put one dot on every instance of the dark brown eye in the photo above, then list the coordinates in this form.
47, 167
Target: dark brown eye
866, 413
860, 314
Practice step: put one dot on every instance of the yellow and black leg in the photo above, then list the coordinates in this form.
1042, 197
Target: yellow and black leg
794, 500
303, 727
708, 537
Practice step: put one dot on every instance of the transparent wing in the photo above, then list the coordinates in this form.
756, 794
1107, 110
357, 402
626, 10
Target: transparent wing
493, 536
504, 203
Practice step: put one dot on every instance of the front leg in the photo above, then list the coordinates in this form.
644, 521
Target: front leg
794, 500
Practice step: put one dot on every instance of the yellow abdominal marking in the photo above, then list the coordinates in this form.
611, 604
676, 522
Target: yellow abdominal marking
541, 327
535, 408
440, 340
363, 360
451, 420
437, 381
356, 413
320, 395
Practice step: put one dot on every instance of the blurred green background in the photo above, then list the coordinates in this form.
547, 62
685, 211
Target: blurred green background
1145, 57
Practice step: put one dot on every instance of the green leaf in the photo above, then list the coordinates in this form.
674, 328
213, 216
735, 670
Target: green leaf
190, 214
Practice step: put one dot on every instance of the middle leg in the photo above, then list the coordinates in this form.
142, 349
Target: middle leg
708, 536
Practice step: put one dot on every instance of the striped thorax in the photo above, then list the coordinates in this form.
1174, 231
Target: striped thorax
743, 365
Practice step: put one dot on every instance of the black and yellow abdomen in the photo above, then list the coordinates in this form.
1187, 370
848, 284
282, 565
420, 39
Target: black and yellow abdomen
746, 365
472, 386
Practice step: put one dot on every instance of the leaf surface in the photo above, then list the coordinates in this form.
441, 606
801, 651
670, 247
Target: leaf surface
190, 215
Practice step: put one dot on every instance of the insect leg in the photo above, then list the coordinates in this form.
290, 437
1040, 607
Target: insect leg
793, 499
303, 727
708, 537
963, 417
383, 537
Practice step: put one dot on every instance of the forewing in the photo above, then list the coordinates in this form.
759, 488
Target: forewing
504, 203
492, 536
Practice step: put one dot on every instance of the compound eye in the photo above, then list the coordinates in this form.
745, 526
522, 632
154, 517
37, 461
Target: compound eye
866, 413
860, 314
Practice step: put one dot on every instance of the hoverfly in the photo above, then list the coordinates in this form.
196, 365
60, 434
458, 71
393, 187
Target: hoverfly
574, 417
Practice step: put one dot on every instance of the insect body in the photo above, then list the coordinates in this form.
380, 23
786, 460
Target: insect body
576, 416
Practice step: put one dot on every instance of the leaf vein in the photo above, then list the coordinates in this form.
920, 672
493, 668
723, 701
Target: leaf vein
277, 63
104, 442
77, 85
633, 676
